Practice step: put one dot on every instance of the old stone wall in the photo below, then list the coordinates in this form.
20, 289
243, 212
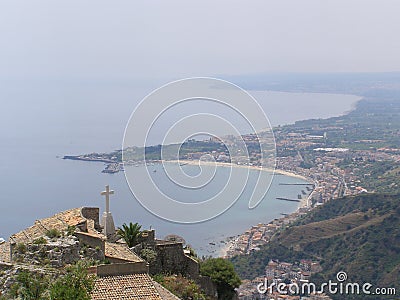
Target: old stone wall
171, 259
91, 241
147, 237
56, 253
192, 267
208, 286
93, 214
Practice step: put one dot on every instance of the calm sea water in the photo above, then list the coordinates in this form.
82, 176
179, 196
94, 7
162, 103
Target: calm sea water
41, 122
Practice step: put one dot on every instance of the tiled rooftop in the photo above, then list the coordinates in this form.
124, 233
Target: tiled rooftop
135, 287
121, 251
60, 221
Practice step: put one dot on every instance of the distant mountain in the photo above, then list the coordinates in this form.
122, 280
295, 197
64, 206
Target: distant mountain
359, 235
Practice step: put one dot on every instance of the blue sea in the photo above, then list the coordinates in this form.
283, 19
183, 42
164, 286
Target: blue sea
42, 121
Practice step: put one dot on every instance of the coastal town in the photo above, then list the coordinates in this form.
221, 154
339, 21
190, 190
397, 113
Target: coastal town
278, 272
209, 150
333, 171
314, 151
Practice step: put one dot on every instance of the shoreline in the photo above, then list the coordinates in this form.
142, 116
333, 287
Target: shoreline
230, 243
304, 201
230, 165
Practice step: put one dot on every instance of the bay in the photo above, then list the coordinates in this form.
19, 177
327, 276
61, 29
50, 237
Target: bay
42, 121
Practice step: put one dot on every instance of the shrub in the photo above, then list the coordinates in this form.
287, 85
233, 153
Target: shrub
182, 287
149, 255
71, 230
222, 273
53, 233
29, 286
75, 284
21, 248
40, 241
159, 278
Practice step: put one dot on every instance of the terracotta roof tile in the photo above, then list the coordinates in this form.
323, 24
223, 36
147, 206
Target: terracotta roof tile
135, 287
59, 221
121, 251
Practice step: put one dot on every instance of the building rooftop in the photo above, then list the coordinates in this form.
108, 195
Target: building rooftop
135, 287
121, 251
60, 221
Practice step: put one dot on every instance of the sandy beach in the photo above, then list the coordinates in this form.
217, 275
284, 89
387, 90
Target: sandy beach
231, 165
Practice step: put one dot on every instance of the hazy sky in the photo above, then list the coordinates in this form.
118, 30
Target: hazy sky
150, 39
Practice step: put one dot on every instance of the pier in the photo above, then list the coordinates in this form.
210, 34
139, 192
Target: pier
305, 184
287, 199
85, 158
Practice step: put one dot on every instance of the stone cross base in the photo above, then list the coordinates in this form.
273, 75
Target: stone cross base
107, 222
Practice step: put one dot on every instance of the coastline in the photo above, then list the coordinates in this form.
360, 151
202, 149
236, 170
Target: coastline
231, 242
302, 205
304, 201
230, 165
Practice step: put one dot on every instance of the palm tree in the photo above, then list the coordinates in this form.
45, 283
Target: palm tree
130, 233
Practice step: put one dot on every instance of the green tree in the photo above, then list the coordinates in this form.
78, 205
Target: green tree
29, 286
130, 233
76, 284
53, 233
148, 255
185, 289
222, 274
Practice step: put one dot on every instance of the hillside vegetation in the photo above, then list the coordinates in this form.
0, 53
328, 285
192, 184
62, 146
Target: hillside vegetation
359, 235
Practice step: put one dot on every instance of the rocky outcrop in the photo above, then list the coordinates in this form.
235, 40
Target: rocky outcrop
9, 274
55, 252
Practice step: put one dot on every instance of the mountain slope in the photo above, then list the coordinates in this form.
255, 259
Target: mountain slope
359, 235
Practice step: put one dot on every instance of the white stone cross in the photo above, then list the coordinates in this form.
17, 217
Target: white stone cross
107, 193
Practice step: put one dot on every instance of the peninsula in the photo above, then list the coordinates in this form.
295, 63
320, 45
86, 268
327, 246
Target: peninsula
352, 163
